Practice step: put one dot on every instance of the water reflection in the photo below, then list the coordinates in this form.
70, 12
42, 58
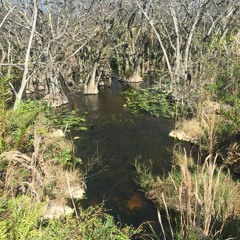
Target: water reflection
115, 140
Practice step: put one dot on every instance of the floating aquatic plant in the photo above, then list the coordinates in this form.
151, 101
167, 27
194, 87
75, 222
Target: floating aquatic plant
151, 100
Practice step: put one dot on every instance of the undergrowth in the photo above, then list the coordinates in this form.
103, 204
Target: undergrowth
20, 219
198, 200
37, 171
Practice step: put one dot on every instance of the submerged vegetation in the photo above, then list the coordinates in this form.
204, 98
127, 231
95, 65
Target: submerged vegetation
66, 119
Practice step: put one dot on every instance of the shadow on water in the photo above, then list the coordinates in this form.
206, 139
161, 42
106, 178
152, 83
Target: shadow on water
116, 139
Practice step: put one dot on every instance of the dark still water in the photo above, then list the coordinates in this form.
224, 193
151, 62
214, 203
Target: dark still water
116, 139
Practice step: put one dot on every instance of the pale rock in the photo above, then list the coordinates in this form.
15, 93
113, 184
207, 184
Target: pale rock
41, 88
182, 136
179, 134
76, 192
56, 211
58, 134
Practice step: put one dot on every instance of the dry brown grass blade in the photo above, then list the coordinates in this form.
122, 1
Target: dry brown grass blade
168, 216
69, 192
161, 224
15, 173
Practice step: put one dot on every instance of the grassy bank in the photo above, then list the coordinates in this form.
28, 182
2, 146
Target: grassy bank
39, 178
199, 201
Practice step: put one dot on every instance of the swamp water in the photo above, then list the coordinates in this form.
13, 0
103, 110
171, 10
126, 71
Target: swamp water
117, 137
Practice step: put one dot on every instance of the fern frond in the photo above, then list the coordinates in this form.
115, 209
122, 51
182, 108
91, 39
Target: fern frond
5, 97
5, 92
3, 230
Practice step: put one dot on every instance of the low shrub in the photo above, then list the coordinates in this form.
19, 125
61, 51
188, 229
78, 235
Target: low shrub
21, 219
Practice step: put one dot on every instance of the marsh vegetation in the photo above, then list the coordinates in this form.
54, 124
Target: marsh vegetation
51, 50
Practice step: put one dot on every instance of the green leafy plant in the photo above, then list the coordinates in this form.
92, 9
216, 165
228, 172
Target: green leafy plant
5, 98
3, 223
229, 121
21, 220
3, 230
152, 101
66, 119
21, 123
61, 151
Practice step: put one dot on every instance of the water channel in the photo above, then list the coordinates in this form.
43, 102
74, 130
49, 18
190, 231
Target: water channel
117, 137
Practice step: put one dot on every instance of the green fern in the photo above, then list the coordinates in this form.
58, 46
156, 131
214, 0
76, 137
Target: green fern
23, 218
21, 124
5, 98
3, 222
3, 230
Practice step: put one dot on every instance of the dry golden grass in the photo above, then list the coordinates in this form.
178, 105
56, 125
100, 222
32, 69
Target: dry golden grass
196, 127
41, 172
192, 128
204, 197
63, 180
18, 173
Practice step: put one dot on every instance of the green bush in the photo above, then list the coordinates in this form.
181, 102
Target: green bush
19, 124
20, 219
229, 121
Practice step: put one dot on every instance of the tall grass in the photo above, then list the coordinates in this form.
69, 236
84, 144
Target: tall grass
202, 197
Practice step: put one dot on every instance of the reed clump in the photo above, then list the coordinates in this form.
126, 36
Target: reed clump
203, 197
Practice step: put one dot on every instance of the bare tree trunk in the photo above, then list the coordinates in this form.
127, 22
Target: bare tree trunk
92, 86
190, 37
135, 77
160, 42
56, 95
177, 49
27, 57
